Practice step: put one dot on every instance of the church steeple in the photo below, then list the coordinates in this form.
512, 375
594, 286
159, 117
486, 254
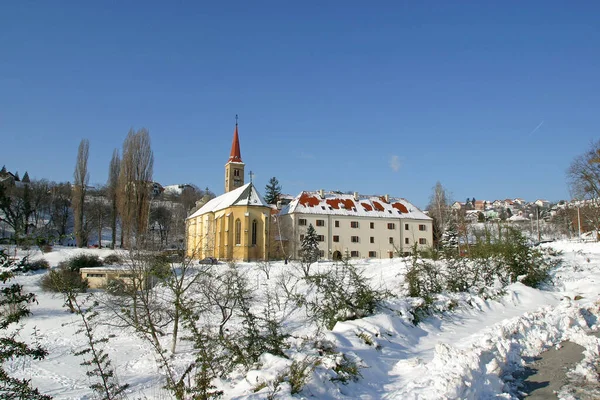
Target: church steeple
234, 169
235, 155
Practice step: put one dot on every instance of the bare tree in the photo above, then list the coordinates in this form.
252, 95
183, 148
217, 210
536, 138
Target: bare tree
81, 178
161, 220
40, 202
15, 208
98, 212
134, 179
584, 173
439, 210
112, 190
60, 207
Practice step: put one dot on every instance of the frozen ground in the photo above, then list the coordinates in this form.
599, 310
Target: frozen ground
470, 353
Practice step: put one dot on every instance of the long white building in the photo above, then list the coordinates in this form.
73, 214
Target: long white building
362, 226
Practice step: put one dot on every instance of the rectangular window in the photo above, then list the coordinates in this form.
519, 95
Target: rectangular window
422, 228
321, 253
96, 275
336, 238
391, 226
302, 222
337, 224
354, 239
372, 254
372, 239
320, 222
422, 241
406, 241
405, 227
301, 237
353, 224
372, 225
391, 240
320, 238
236, 172
354, 253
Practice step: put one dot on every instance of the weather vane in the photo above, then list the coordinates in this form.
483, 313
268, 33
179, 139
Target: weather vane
251, 175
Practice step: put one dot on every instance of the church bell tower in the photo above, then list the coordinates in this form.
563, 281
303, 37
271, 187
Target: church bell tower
234, 169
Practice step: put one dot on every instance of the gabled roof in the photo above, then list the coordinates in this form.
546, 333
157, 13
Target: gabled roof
246, 195
334, 203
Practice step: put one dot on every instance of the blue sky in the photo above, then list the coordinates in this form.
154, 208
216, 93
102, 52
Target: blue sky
493, 99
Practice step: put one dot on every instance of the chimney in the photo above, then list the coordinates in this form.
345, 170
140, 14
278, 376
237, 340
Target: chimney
322, 193
355, 196
387, 198
279, 205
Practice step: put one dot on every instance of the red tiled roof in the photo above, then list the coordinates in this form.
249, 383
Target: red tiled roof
308, 200
400, 207
378, 206
367, 206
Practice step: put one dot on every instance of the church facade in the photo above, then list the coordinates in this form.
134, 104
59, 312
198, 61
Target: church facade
235, 225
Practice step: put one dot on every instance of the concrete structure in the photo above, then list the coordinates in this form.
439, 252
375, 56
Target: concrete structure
235, 225
363, 226
98, 277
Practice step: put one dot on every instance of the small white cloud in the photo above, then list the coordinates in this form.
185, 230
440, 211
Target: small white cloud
395, 163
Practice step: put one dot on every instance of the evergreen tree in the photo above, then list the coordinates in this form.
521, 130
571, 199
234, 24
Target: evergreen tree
26, 178
3, 170
105, 384
272, 191
15, 302
310, 246
17, 179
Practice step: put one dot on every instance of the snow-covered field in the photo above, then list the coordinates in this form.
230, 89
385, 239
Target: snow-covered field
468, 353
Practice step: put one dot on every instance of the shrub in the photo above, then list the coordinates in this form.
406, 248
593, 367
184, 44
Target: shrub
83, 261
160, 266
424, 278
116, 287
38, 265
24, 265
342, 294
63, 279
112, 259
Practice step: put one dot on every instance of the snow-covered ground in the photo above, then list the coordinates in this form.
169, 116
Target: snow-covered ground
470, 352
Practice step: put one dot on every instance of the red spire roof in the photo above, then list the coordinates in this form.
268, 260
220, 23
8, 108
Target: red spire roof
235, 155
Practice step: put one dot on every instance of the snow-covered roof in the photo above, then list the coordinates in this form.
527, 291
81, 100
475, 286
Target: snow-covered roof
517, 218
246, 195
335, 203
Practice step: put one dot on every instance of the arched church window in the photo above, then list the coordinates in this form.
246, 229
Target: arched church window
254, 231
238, 231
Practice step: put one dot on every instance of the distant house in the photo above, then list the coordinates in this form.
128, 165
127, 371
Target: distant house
542, 203
498, 204
480, 205
457, 205
157, 189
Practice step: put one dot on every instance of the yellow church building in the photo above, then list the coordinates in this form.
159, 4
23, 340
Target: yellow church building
235, 225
